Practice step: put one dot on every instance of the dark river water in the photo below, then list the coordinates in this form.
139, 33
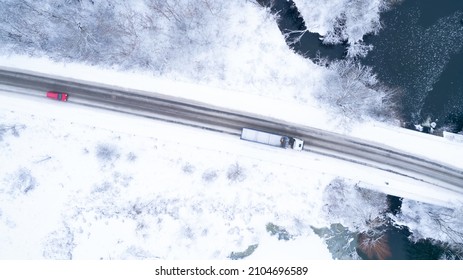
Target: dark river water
420, 51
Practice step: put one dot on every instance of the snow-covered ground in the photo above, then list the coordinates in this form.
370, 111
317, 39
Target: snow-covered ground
89, 184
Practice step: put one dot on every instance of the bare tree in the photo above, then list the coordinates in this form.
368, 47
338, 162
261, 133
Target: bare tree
357, 208
430, 221
148, 34
353, 92
449, 223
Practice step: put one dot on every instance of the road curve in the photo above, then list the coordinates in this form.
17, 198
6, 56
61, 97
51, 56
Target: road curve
184, 111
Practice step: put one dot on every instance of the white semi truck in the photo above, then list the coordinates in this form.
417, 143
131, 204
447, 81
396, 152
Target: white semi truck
272, 139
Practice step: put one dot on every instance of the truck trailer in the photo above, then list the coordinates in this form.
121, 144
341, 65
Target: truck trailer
272, 139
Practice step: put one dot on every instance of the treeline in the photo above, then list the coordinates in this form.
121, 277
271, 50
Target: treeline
139, 33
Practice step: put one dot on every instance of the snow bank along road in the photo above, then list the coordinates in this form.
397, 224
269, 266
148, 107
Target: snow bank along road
427, 174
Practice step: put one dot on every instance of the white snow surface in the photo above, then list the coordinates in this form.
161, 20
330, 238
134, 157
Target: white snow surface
85, 184
82, 183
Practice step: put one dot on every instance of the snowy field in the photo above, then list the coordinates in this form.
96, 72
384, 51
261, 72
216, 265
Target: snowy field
88, 184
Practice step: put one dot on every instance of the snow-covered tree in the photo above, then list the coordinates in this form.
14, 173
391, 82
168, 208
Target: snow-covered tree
138, 33
344, 20
359, 209
430, 221
354, 93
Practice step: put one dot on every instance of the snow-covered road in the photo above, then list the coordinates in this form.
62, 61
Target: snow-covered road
429, 181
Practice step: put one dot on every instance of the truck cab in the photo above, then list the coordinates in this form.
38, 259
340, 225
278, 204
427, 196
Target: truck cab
290, 142
296, 144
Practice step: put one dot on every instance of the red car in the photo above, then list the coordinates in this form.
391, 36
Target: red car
57, 95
